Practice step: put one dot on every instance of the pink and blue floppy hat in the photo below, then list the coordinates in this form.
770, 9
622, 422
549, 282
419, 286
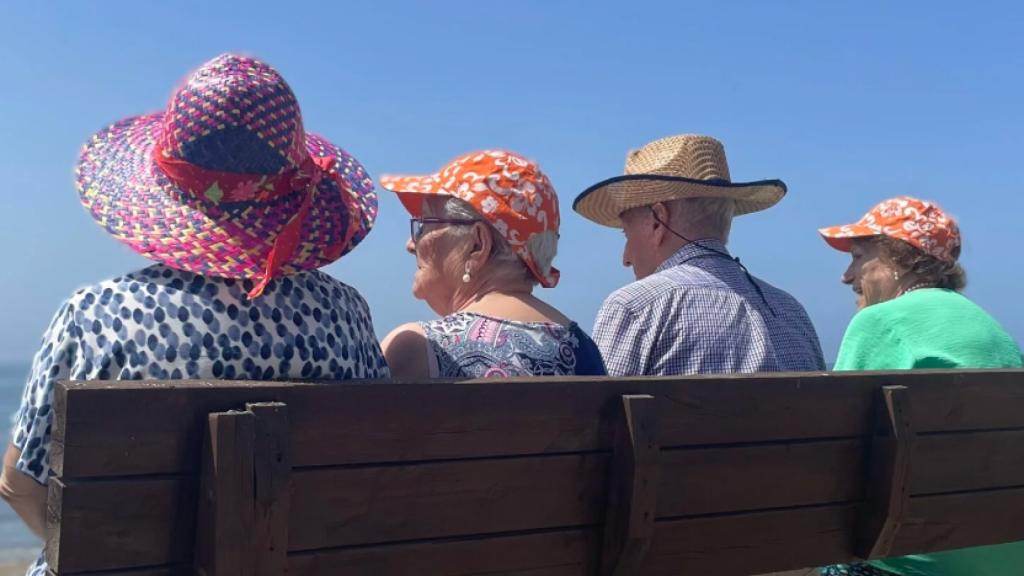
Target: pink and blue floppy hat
226, 182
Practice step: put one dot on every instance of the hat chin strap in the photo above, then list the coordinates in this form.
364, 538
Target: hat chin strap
719, 254
309, 176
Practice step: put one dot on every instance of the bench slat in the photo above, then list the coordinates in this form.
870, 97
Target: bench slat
136, 428
363, 505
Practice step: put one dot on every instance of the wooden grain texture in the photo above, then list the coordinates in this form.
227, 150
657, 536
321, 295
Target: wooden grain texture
135, 522
345, 507
727, 545
966, 520
224, 533
634, 474
887, 490
272, 475
562, 553
968, 461
756, 543
177, 570
129, 428
364, 505
728, 479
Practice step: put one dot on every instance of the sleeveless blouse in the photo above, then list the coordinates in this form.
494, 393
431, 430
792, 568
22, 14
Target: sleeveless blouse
470, 345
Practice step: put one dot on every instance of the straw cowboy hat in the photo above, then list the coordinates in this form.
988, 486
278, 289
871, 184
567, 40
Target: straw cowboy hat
688, 166
226, 182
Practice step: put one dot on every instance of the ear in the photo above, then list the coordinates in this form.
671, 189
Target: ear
481, 246
659, 214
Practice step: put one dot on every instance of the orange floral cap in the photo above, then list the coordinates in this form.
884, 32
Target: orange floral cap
509, 191
920, 223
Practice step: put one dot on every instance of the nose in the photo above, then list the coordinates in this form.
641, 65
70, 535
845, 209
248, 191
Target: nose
410, 246
848, 276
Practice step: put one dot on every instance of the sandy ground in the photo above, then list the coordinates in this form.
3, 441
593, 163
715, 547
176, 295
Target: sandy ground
13, 568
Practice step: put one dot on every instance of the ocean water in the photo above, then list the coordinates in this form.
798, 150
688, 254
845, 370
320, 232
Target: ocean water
16, 542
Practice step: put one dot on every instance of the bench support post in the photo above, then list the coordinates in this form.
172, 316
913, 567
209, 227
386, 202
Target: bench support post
888, 475
634, 474
245, 493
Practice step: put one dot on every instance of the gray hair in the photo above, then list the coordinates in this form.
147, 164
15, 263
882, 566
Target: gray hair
704, 217
508, 265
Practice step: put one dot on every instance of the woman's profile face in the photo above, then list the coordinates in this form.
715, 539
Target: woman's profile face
438, 271
871, 278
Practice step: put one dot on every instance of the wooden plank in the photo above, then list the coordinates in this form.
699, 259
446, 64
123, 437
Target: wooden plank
54, 522
127, 428
633, 481
887, 487
745, 544
729, 545
345, 507
732, 479
224, 534
134, 522
273, 488
563, 553
178, 570
950, 522
968, 461
364, 505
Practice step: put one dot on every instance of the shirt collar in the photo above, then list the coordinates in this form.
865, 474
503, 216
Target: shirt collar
691, 250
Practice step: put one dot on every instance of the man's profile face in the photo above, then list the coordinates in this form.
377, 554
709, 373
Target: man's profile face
641, 249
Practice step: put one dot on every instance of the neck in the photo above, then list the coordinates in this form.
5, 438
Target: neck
676, 244
475, 292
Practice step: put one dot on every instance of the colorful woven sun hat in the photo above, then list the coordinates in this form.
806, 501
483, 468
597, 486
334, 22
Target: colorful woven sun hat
226, 182
508, 191
686, 166
920, 223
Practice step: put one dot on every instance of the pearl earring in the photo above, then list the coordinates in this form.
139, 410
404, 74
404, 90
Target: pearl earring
466, 277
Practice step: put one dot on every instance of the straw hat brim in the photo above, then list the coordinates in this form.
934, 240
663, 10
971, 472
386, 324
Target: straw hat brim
136, 203
605, 201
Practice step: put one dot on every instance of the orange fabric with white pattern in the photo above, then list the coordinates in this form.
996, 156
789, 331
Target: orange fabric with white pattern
918, 222
509, 191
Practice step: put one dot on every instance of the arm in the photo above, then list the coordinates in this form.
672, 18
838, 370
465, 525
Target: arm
624, 339
26, 496
405, 350
26, 466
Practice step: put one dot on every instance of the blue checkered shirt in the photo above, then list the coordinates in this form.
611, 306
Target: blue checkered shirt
699, 314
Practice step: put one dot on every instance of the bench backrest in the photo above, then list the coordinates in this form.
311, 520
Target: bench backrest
722, 475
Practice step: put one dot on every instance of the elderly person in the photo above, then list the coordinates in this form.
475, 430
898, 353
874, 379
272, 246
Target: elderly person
237, 211
694, 309
484, 231
905, 274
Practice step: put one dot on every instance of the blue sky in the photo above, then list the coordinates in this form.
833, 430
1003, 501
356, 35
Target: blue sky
848, 102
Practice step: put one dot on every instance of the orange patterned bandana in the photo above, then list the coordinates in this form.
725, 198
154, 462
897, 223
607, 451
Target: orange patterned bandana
510, 192
920, 223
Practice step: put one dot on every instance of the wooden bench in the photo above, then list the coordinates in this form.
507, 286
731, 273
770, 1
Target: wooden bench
703, 476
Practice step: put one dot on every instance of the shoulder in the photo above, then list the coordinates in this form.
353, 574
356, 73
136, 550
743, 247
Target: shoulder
405, 349
875, 322
339, 292
663, 289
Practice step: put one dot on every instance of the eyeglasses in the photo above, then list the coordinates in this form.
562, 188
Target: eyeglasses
416, 225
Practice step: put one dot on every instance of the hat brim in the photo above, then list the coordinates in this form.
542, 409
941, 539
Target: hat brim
841, 237
411, 190
605, 201
137, 204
